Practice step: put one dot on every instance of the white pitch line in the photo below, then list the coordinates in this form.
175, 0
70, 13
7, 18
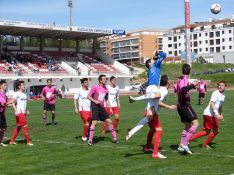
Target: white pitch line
118, 147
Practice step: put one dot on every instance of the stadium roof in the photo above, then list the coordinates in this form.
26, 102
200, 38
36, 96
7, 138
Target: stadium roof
19, 28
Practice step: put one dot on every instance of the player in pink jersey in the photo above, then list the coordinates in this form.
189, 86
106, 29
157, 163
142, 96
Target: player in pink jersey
20, 106
185, 110
48, 95
201, 91
211, 115
114, 101
3, 104
81, 98
97, 95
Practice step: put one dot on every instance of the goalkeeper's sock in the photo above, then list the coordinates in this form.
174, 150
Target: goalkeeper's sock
140, 125
145, 97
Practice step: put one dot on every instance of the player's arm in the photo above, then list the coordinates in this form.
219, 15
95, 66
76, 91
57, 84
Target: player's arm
14, 106
216, 111
118, 101
189, 87
221, 114
108, 103
160, 56
76, 103
43, 94
164, 105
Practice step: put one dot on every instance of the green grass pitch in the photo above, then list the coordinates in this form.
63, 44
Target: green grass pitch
59, 149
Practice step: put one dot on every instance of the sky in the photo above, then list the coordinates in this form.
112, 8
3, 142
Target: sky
113, 14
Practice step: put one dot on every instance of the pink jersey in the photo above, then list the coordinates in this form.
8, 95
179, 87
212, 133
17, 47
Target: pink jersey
202, 87
98, 93
3, 100
49, 94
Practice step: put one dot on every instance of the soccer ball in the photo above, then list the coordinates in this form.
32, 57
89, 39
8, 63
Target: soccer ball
215, 8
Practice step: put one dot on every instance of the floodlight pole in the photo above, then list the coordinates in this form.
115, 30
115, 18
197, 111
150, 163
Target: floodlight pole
70, 5
187, 32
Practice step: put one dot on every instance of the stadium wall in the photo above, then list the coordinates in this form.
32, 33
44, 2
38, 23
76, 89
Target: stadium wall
224, 57
115, 63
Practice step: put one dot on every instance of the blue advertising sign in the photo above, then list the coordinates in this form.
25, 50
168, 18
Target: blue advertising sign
118, 32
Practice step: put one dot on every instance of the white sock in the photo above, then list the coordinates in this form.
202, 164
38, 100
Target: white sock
145, 97
140, 125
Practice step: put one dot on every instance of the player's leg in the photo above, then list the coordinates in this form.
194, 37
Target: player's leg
52, 109
85, 116
105, 117
207, 126
15, 134
3, 127
91, 132
95, 118
104, 122
212, 135
45, 109
116, 114
142, 122
151, 93
26, 135
53, 117
112, 130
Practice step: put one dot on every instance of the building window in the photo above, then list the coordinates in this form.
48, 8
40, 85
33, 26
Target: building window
217, 49
170, 52
230, 39
213, 27
206, 34
217, 33
199, 34
202, 28
200, 42
175, 46
211, 42
207, 49
200, 50
223, 48
223, 40
175, 39
211, 34
169, 38
212, 50
217, 41
195, 43
169, 45
223, 32
175, 53
195, 50
194, 36
206, 41
179, 37
230, 47
179, 44
230, 31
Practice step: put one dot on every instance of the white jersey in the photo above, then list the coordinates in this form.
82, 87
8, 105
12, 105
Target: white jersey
218, 99
113, 96
84, 103
164, 92
151, 90
21, 102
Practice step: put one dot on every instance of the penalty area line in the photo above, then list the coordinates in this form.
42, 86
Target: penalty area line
118, 147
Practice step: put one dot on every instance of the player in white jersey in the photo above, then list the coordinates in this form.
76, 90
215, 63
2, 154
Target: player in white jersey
211, 115
154, 123
80, 98
114, 101
20, 106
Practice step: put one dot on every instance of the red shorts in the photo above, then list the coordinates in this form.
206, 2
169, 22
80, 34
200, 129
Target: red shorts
85, 115
155, 122
210, 122
21, 119
114, 109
